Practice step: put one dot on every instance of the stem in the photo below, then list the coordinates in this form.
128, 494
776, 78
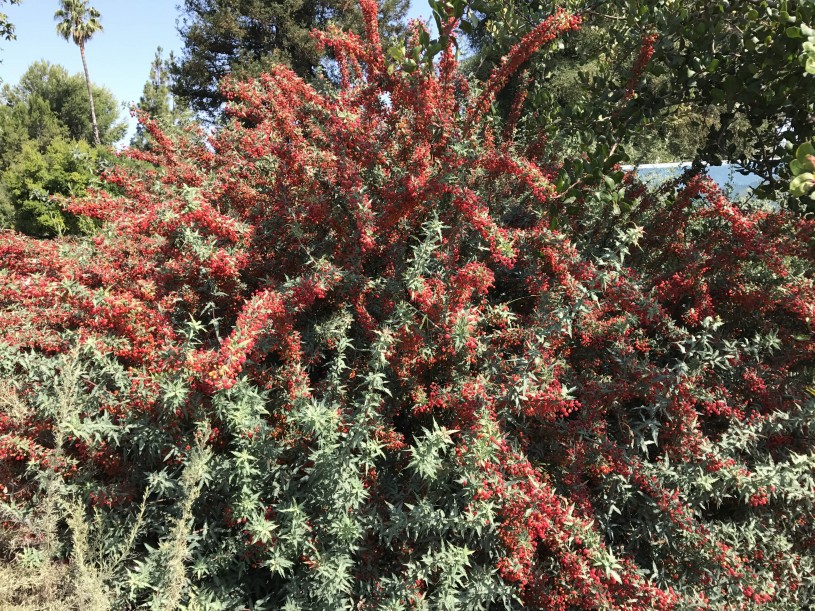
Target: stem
96, 139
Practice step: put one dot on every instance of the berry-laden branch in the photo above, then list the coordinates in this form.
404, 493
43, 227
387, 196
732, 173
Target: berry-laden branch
429, 381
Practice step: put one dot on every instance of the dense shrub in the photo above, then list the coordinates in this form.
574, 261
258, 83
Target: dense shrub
35, 181
45, 131
357, 350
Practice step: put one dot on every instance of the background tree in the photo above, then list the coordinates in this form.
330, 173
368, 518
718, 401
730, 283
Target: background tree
158, 100
245, 37
45, 131
34, 180
49, 103
716, 81
79, 22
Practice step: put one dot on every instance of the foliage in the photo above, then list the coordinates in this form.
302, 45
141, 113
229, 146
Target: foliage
244, 38
38, 579
158, 101
44, 131
77, 21
7, 28
808, 51
803, 171
361, 350
48, 103
721, 79
35, 180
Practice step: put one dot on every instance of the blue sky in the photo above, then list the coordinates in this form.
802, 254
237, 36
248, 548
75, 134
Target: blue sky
119, 57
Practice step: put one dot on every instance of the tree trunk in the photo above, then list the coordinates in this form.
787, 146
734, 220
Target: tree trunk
90, 96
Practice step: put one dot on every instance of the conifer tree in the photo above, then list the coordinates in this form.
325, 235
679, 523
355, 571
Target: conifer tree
158, 100
245, 37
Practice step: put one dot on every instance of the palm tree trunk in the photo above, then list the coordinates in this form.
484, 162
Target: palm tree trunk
90, 96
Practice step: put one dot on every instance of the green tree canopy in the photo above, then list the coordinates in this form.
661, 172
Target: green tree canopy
719, 81
245, 37
48, 102
30, 184
45, 136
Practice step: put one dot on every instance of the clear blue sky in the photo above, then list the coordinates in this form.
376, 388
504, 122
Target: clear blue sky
119, 57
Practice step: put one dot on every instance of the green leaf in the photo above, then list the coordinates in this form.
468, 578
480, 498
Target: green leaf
802, 184
796, 167
397, 53
799, 166
804, 151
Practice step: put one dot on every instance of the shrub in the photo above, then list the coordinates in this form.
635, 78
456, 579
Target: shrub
358, 349
36, 180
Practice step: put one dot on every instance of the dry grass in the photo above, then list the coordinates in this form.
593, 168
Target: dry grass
54, 555
177, 543
35, 575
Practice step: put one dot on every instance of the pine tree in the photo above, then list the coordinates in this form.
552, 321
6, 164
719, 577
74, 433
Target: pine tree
157, 99
245, 37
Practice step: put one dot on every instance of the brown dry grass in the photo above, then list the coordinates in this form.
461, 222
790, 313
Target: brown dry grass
36, 574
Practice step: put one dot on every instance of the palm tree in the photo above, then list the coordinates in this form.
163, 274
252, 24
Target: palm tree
79, 22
